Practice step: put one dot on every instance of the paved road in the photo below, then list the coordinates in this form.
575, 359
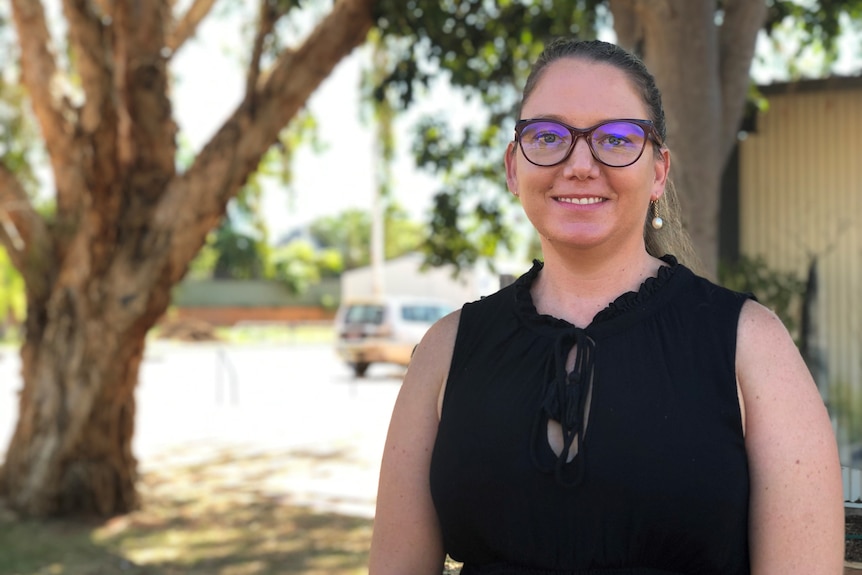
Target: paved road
321, 430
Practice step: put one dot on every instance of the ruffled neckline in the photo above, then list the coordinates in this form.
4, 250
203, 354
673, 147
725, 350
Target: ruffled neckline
622, 305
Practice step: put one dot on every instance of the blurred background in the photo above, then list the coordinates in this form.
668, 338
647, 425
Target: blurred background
195, 193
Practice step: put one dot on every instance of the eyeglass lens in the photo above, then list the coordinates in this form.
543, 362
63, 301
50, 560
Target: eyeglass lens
615, 144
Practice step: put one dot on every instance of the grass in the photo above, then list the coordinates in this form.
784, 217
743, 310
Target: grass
310, 332
214, 516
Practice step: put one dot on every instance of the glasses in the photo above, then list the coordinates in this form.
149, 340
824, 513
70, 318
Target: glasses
614, 143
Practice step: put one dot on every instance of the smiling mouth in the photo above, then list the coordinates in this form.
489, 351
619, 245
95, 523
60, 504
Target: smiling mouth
581, 201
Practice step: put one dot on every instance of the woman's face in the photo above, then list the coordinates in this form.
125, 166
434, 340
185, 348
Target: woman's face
581, 202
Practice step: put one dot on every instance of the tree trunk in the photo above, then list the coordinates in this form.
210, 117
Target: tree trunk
702, 69
692, 93
71, 452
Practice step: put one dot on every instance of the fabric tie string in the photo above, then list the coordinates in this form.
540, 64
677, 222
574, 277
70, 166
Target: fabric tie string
566, 401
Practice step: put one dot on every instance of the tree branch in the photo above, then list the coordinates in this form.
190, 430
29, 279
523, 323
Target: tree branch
146, 145
87, 38
743, 19
98, 118
39, 69
235, 150
266, 22
54, 114
186, 27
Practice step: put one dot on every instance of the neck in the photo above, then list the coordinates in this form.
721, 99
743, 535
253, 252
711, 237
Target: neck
576, 284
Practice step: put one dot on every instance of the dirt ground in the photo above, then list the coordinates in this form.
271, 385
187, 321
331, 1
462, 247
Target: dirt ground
217, 514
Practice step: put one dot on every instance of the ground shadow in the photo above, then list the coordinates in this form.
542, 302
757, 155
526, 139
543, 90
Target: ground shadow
216, 515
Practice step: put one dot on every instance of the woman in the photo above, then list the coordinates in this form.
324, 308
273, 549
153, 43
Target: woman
610, 412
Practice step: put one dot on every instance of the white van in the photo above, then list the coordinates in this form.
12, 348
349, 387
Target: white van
384, 330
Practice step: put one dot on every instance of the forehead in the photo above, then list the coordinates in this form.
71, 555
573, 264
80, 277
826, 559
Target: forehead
583, 92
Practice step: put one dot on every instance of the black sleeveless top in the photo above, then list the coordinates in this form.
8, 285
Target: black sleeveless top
658, 481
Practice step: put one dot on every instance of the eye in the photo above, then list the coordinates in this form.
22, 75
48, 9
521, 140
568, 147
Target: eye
547, 137
612, 141
617, 135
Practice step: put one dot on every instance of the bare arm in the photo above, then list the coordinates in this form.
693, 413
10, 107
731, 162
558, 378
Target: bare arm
406, 536
796, 516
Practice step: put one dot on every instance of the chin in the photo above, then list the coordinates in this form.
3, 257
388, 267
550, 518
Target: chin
585, 235
577, 241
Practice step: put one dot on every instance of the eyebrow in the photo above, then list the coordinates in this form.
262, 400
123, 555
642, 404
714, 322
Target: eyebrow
557, 118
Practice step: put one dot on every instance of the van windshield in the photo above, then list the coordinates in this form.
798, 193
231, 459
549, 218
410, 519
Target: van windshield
423, 313
364, 314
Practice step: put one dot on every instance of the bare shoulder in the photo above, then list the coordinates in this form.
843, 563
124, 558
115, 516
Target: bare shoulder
429, 366
756, 320
766, 354
439, 339
777, 388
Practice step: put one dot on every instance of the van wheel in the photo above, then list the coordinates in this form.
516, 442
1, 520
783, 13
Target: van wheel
359, 369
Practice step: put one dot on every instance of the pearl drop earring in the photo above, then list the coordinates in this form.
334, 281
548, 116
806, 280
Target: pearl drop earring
656, 222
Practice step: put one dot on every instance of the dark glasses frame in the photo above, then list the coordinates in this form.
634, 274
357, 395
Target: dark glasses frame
648, 127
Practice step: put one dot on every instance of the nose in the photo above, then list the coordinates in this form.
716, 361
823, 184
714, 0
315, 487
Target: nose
580, 162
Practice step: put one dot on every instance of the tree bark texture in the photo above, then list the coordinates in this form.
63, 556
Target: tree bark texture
99, 272
701, 64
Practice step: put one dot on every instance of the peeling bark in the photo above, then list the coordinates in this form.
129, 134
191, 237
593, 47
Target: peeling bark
186, 26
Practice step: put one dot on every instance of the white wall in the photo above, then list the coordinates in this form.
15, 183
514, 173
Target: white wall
403, 276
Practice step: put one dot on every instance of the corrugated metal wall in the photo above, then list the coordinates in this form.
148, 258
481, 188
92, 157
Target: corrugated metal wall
800, 198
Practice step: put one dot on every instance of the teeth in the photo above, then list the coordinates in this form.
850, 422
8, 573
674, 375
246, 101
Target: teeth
581, 201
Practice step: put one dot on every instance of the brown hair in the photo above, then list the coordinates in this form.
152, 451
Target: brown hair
672, 238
